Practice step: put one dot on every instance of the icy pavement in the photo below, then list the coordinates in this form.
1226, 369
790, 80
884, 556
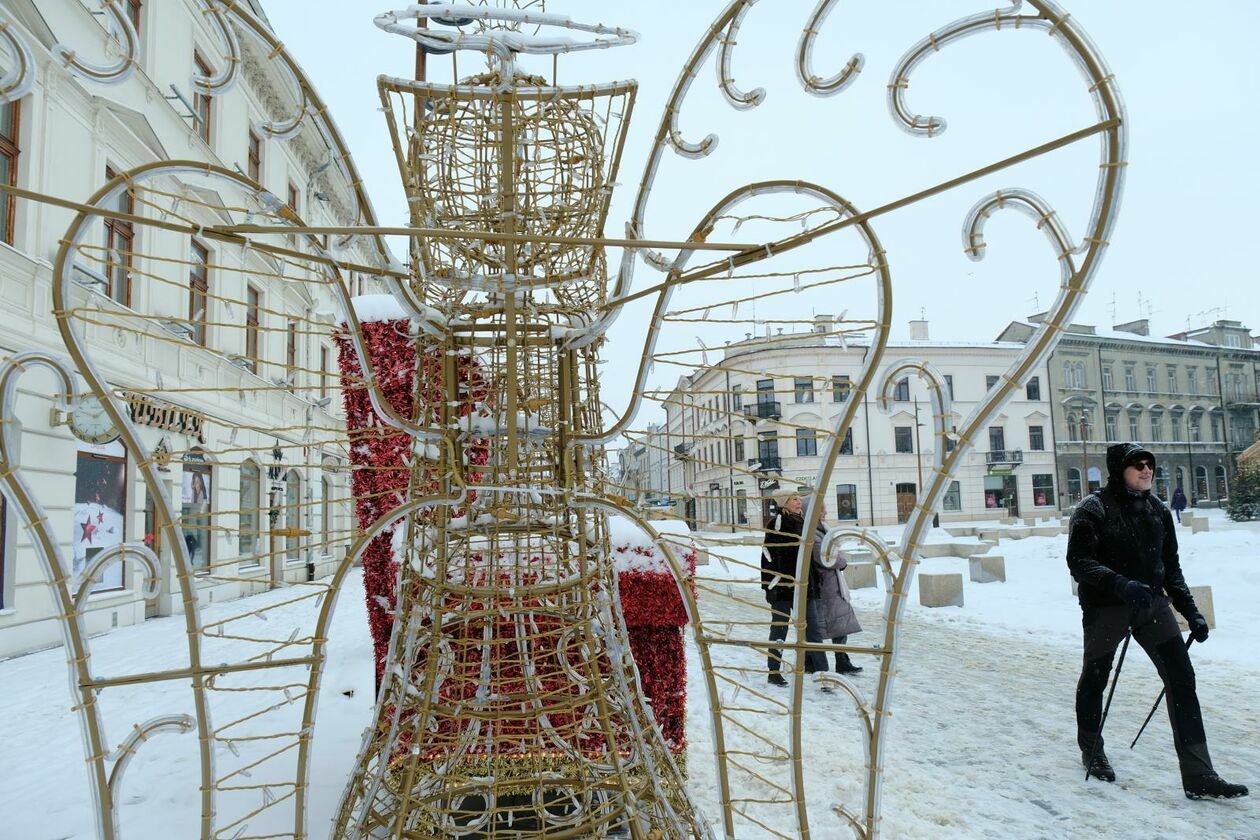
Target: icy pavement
981, 742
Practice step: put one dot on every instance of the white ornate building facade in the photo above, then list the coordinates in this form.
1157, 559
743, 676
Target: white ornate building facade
730, 452
67, 137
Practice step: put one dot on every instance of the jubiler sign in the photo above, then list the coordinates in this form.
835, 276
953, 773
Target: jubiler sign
149, 412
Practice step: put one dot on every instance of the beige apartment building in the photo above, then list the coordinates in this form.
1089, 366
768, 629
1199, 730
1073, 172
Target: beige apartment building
1191, 398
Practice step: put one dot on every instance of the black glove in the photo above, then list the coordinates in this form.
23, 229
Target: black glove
1198, 627
1136, 595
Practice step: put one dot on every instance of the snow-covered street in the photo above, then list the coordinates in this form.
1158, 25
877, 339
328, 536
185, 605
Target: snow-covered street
982, 740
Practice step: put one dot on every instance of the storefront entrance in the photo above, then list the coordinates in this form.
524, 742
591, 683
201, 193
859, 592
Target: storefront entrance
906, 496
1001, 495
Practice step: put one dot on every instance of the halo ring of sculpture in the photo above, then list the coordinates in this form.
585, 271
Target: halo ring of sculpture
502, 42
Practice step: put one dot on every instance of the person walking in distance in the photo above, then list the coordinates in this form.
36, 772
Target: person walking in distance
1122, 551
1178, 502
778, 575
828, 614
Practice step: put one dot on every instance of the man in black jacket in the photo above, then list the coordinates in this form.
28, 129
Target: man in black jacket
1122, 550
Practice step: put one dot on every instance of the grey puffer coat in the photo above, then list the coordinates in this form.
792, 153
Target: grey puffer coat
828, 588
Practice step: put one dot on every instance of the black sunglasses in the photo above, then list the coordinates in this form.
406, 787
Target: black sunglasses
1143, 464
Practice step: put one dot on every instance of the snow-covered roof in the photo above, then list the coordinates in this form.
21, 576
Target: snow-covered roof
369, 308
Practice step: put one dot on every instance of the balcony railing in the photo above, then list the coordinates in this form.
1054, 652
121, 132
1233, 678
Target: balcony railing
771, 463
681, 450
1005, 456
764, 410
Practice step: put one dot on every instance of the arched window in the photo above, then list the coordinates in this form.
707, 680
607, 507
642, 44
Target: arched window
293, 515
325, 514
1222, 482
1073, 426
1068, 378
248, 542
1080, 374
1181, 479
1073, 485
1201, 482
1161, 482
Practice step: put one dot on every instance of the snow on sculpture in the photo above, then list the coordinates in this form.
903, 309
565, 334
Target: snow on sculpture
510, 703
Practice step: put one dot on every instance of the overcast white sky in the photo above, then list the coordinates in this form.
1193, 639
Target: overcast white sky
1188, 74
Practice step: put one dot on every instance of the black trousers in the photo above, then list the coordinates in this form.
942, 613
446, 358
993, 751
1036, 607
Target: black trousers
1155, 629
780, 618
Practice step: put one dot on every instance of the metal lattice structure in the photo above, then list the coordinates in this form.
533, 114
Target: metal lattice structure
510, 705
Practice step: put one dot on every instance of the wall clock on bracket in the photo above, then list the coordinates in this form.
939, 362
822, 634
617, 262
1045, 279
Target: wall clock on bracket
90, 423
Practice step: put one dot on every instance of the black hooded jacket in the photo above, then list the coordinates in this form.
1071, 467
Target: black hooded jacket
778, 555
1117, 534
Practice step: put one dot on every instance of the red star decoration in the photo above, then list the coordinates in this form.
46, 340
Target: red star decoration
88, 530
100, 517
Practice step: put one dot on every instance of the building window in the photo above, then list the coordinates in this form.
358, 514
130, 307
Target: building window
949, 384
806, 442
1043, 489
1130, 379
767, 447
1157, 426
1172, 379
953, 498
196, 510
1201, 482
765, 390
803, 389
1192, 380
1174, 420
203, 105
737, 397
100, 520
846, 445
904, 436
295, 201
997, 439
291, 357
1073, 427
1195, 426
325, 515
1151, 385
1135, 433
1073, 485
1161, 482
1222, 482
901, 392
198, 293
248, 542
253, 308
255, 156
846, 501
1232, 340
739, 450
1106, 375
990, 382
120, 239
1112, 420
741, 506
1036, 438
293, 515
4, 547
840, 388
323, 373
10, 129
1033, 389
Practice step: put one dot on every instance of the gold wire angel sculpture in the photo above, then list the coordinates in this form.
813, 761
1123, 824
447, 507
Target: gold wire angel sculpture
509, 704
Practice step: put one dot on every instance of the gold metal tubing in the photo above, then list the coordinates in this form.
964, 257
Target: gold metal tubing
494, 236
186, 673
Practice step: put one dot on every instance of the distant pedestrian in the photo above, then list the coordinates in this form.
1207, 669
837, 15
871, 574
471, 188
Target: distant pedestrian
1122, 551
1178, 502
778, 575
829, 614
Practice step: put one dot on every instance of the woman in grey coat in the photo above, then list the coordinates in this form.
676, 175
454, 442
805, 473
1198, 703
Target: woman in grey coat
828, 613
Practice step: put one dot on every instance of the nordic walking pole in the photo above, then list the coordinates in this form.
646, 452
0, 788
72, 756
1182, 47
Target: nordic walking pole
1189, 642
1115, 678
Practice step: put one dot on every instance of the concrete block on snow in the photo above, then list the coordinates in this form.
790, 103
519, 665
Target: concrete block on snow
941, 590
1202, 600
988, 568
860, 575
1199, 523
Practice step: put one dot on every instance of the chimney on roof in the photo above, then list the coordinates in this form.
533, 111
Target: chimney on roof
822, 324
1142, 326
919, 330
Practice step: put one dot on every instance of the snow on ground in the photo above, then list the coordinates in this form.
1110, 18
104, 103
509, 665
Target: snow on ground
981, 743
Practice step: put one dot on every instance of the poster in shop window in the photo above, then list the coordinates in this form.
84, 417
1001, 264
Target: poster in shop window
100, 492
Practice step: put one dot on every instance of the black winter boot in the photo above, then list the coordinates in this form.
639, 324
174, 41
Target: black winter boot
1100, 767
844, 665
1211, 786
776, 678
